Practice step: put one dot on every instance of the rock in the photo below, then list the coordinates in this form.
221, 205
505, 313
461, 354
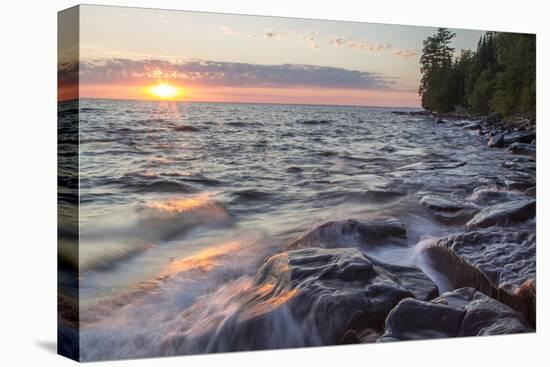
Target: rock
447, 211
505, 257
351, 233
440, 121
500, 263
504, 214
520, 183
303, 298
496, 141
472, 126
440, 203
294, 169
519, 137
462, 312
420, 113
486, 196
522, 148
493, 118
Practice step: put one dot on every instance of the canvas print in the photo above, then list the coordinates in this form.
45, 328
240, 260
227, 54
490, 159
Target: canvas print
236, 183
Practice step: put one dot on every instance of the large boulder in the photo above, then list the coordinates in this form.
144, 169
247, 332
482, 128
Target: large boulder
351, 233
504, 214
303, 298
500, 263
462, 312
519, 137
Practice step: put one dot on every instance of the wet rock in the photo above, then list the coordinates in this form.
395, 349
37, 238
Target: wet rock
351, 233
504, 214
447, 211
500, 263
522, 148
294, 169
420, 113
505, 257
322, 295
486, 196
440, 121
493, 118
520, 183
496, 141
472, 126
440, 203
519, 137
455, 218
462, 312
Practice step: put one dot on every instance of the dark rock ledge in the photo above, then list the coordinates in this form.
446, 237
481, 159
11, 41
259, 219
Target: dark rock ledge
500, 263
332, 296
462, 312
351, 233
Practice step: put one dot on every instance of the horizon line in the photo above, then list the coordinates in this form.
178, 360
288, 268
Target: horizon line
244, 102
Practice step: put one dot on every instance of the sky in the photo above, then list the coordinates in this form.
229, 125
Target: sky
126, 52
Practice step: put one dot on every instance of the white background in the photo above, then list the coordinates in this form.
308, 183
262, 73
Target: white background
28, 182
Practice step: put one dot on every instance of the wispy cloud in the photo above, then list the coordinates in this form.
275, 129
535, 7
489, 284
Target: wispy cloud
360, 44
214, 73
366, 45
307, 37
314, 41
406, 52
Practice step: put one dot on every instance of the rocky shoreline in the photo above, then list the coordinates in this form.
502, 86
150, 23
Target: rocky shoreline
334, 292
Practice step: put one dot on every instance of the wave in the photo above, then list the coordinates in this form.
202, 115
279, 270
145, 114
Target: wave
104, 245
160, 185
186, 128
90, 109
251, 195
375, 196
142, 320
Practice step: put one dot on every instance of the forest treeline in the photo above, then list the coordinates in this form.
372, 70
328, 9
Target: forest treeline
499, 76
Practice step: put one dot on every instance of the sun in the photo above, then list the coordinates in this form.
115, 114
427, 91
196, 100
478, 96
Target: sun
164, 91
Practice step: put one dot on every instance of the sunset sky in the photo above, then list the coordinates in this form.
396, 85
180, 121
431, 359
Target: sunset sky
126, 52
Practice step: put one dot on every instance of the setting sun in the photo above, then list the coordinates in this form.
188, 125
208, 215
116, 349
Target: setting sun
164, 91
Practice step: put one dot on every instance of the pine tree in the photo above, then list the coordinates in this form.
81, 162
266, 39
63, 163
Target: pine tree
436, 63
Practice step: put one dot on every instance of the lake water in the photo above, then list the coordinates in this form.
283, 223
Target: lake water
181, 201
